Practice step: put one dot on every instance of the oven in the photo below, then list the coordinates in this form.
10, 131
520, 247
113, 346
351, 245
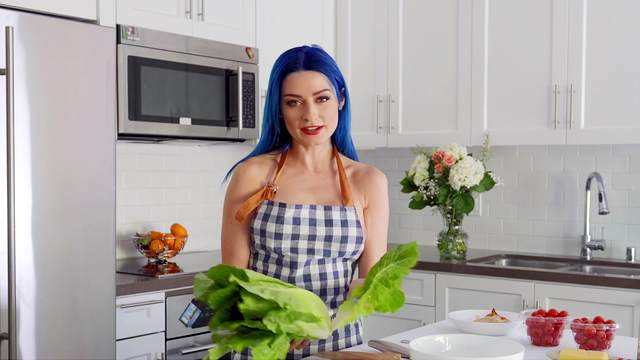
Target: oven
174, 86
183, 343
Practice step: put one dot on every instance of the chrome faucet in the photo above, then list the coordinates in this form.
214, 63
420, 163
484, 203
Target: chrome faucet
589, 245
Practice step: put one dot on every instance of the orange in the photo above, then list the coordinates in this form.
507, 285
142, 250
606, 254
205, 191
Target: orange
169, 240
178, 244
155, 235
179, 230
156, 245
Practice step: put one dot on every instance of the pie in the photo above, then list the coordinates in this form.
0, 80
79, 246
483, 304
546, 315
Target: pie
492, 317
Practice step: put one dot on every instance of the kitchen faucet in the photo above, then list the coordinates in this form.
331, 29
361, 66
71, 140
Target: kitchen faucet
589, 245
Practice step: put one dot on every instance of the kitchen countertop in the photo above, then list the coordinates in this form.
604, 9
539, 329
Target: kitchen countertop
622, 346
127, 284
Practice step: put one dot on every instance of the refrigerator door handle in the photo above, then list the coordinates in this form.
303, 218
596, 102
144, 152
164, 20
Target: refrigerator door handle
10, 336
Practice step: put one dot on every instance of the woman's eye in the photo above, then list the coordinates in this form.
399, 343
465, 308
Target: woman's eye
291, 103
323, 99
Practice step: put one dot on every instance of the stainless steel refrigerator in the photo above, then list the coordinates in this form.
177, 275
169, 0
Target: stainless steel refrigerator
57, 161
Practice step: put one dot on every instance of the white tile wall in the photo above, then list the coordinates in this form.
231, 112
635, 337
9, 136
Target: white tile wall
540, 206
159, 184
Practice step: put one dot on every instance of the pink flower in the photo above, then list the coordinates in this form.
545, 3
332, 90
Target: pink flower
439, 168
438, 156
449, 160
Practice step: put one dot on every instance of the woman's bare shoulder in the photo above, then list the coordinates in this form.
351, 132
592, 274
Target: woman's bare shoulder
256, 169
366, 176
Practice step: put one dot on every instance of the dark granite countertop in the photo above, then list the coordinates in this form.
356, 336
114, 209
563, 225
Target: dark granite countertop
429, 260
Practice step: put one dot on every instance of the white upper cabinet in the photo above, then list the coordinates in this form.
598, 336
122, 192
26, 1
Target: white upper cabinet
604, 71
313, 21
226, 21
519, 71
407, 68
83, 9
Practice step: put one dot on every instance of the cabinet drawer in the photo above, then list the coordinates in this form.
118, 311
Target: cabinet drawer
419, 288
175, 306
189, 348
139, 315
149, 347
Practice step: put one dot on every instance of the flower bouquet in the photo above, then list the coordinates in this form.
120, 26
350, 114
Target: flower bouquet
446, 179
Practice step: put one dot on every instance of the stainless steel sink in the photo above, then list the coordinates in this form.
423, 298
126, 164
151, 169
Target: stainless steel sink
575, 265
511, 260
604, 270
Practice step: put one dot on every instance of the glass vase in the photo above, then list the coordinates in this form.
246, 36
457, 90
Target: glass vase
452, 240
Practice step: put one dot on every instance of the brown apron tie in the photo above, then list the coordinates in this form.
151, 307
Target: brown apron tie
268, 192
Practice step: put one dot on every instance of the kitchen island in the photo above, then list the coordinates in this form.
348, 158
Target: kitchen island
623, 346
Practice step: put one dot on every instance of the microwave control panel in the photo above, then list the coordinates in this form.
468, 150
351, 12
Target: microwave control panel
248, 101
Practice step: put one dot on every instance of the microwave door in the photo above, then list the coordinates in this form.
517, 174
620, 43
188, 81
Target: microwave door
164, 93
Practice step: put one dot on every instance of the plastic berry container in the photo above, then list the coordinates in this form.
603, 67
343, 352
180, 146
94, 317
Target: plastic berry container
545, 328
596, 334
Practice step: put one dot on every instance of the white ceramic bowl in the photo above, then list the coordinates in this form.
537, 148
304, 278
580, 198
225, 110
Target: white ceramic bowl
465, 347
464, 321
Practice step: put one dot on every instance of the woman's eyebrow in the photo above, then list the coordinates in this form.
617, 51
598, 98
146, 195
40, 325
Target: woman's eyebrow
314, 94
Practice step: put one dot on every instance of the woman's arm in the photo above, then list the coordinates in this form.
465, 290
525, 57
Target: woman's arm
376, 219
235, 238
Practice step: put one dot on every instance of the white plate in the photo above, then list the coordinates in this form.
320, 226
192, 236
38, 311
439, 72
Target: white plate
464, 320
465, 347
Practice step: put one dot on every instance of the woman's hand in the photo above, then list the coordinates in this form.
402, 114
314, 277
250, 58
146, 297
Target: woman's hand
298, 344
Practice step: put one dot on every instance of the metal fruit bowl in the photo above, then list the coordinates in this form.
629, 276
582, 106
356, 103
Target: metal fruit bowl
158, 249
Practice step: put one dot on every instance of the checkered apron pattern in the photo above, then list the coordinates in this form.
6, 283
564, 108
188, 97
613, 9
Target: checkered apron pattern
315, 247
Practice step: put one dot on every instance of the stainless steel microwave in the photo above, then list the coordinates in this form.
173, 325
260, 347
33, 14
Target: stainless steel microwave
179, 87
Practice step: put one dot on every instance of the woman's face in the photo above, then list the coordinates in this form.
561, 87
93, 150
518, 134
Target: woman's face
309, 107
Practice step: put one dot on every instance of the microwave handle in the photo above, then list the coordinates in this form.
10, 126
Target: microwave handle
240, 98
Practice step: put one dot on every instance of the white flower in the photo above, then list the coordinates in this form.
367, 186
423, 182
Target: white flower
467, 172
419, 170
456, 150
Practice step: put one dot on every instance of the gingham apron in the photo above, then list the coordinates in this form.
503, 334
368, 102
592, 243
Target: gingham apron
315, 247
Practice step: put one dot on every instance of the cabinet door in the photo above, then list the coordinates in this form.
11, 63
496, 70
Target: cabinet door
227, 21
604, 72
314, 22
519, 71
623, 306
174, 16
409, 317
460, 292
149, 347
429, 72
362, 56
83, 9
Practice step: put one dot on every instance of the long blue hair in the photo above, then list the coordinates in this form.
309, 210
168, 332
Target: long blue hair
274, 135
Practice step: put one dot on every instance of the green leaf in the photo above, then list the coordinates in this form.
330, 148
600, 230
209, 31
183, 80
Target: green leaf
407, 184
463, 203
221, 298
417, 201
381, 291
443, 194
487, 183
201, 286
145, 240
253, 306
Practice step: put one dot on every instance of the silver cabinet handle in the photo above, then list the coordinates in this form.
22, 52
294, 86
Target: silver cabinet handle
239, 99
537, 304
188, 12
201, 10
571, 91
555, 106
141, 303
196, 349
389, 102
10, 336
379, 126
524, 304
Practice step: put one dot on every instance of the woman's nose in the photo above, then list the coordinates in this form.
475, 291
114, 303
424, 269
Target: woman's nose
310, 112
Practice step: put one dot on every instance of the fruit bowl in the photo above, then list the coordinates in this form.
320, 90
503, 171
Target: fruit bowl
545, 328
596, 334
158, 246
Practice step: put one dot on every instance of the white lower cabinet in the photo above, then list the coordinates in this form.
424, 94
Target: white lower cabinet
409, 317
621, 305
418, 288
462, 292
148, 347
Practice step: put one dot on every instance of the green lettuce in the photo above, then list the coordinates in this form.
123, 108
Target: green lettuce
252, 310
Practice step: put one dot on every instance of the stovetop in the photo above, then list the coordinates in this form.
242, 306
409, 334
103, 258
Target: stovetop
181, 264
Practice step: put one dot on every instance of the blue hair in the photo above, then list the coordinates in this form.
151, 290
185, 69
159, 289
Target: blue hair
274, 135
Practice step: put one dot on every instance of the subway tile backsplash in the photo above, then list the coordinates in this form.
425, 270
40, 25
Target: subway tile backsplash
540, 207
159, 184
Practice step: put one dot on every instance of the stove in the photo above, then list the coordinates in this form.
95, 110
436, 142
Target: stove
181, 264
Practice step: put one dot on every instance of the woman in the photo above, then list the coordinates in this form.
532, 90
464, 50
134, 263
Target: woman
300, 207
